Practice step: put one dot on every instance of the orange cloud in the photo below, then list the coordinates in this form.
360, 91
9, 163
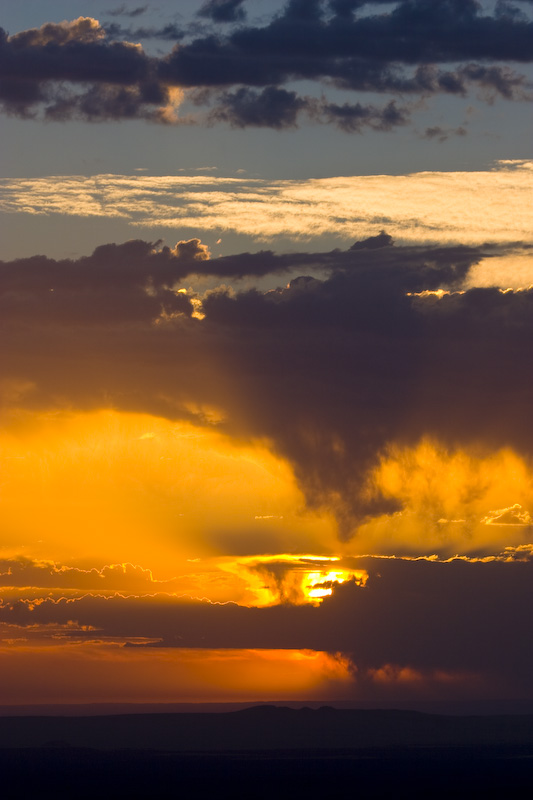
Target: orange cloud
108, 487
447, 498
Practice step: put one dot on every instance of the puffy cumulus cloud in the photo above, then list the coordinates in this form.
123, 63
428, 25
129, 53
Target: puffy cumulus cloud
415, 623
330, 370
271, 108
192, 250
72, 52
404, 50
452, 207
69, 70
83, 29
136, 279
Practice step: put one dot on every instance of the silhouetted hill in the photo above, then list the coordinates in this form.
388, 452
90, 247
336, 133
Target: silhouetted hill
267, 752
267, 728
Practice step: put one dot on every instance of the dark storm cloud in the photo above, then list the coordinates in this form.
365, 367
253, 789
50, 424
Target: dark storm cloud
335, 370
329, 370
395, 52
455, 618
223, 10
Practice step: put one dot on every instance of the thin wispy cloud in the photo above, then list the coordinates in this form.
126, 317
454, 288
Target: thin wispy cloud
490, 206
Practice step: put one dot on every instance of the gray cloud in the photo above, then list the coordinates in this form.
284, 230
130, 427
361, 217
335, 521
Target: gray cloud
124, 11
270, 108
400, 51
442, 134
169, 32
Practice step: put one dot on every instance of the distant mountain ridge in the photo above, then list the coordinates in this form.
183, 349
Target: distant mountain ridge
267, 728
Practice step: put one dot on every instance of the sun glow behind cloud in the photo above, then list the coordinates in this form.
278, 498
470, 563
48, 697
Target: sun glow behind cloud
143, 489
454, 501
161, 494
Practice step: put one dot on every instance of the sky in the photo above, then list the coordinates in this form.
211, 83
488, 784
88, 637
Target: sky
266, 289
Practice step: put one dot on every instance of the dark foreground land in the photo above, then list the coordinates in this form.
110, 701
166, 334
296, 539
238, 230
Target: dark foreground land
267, 752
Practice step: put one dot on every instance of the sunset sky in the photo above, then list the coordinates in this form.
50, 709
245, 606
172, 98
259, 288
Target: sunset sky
266, 382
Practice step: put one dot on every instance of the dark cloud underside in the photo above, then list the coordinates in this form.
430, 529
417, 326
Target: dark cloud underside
330, 370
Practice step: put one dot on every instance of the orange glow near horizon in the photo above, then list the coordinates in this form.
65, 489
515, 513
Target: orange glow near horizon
103, 673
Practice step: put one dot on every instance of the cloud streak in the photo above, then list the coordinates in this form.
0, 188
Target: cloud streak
473, 208
412, 621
